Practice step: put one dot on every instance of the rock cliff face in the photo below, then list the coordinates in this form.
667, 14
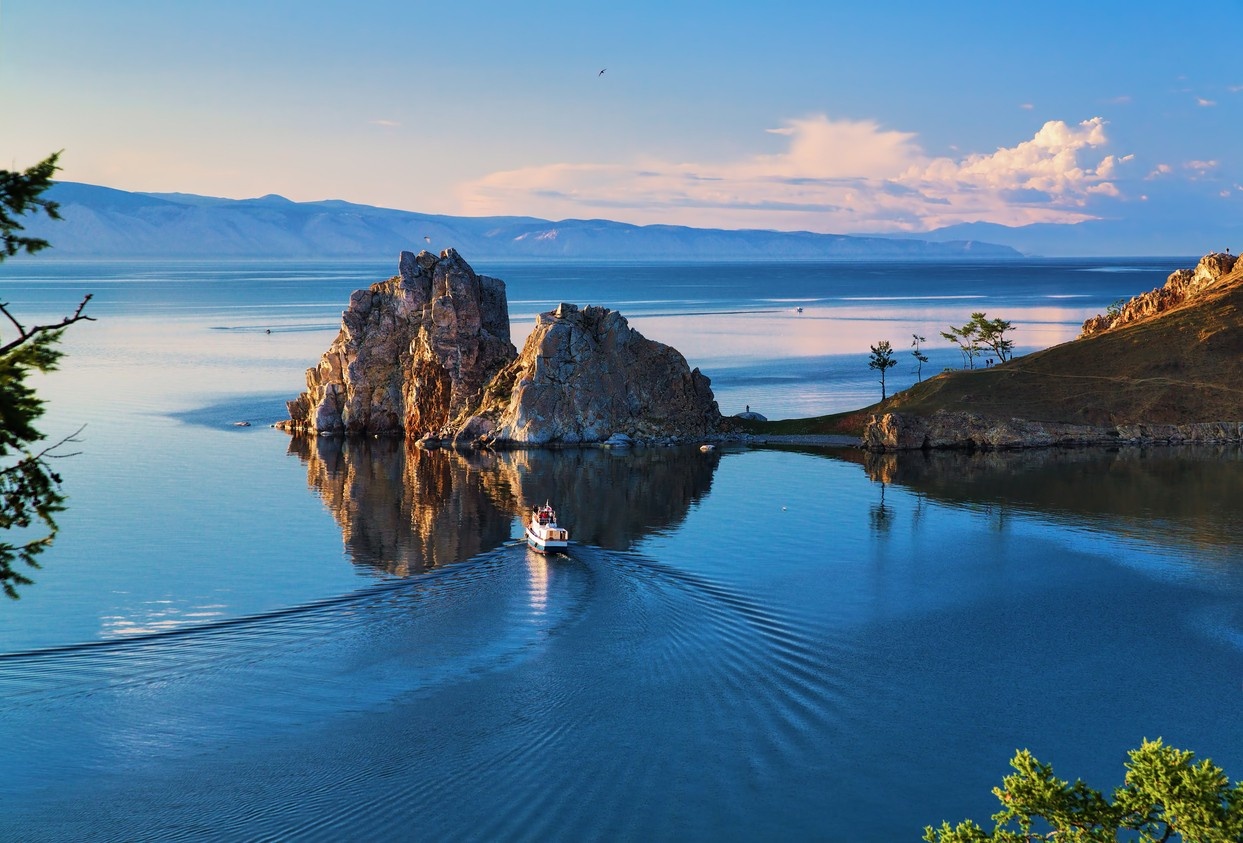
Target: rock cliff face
427, 352
414, 352
1181, 286
968, 431
584, 375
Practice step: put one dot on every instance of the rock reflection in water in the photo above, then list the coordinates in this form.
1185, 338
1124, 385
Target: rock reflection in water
1187, 493
610, 498
404, 510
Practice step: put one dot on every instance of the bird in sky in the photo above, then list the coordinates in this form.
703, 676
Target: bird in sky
601, 73
428, 239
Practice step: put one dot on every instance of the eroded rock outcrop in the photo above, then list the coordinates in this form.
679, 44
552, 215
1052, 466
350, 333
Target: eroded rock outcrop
1181, 286
428, 353
969, 431
414, 352
584, 375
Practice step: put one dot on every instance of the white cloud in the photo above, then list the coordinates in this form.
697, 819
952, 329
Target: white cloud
833, 176
383, 122
1027, 106
821, 148
1158, 171
1203, 103
1200, 169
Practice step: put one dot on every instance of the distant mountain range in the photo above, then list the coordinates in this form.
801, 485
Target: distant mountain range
1187, 237
100, 222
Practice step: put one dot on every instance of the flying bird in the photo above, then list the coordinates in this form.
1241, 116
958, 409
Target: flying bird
601, 73
428, 239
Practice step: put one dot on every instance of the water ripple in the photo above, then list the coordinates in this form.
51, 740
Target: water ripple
508, 696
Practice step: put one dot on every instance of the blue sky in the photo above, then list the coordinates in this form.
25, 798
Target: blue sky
816, 116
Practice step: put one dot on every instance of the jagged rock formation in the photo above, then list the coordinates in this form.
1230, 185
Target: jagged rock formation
969, 431
1181, 286
584, 375
427, 352
413, 353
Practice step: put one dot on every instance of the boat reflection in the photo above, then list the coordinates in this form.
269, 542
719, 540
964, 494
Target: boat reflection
537, 581
405, 510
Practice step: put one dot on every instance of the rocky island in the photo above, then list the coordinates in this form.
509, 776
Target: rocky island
1165, 367
427, 353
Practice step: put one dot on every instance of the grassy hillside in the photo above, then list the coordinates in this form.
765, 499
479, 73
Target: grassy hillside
1181, 366
1184, 365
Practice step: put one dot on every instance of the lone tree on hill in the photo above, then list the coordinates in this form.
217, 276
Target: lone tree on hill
29, 488
1165, 796
882, 359
920, 357
965, 339
992, 333
981, 332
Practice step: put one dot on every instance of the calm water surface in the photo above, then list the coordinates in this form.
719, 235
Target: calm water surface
239, 635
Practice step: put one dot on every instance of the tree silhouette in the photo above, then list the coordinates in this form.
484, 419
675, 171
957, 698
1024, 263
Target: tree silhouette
882, 360
920, 357
29, 489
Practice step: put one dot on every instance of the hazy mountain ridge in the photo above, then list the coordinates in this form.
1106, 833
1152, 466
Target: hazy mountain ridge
1184, 236
101, 222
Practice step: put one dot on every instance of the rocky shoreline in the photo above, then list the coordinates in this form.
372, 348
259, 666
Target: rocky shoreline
969, 431
427, 354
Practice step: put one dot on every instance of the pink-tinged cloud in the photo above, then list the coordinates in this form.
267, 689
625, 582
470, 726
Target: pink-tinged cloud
1199, 170
1203, 103
833, 176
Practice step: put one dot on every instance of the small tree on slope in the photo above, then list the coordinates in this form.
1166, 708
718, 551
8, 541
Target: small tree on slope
881, 361
920, 357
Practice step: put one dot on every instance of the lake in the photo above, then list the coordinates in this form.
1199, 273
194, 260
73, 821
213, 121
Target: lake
239, 635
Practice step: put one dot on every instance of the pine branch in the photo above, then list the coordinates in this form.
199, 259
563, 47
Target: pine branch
25, 334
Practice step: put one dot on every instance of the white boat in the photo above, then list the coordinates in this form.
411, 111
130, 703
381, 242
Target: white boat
543, 534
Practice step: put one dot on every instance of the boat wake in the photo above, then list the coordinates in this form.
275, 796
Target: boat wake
512, 695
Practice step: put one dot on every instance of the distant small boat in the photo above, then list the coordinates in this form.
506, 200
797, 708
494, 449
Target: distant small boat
543, 534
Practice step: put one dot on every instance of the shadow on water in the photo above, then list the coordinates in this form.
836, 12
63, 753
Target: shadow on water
405, 510
1186, 494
